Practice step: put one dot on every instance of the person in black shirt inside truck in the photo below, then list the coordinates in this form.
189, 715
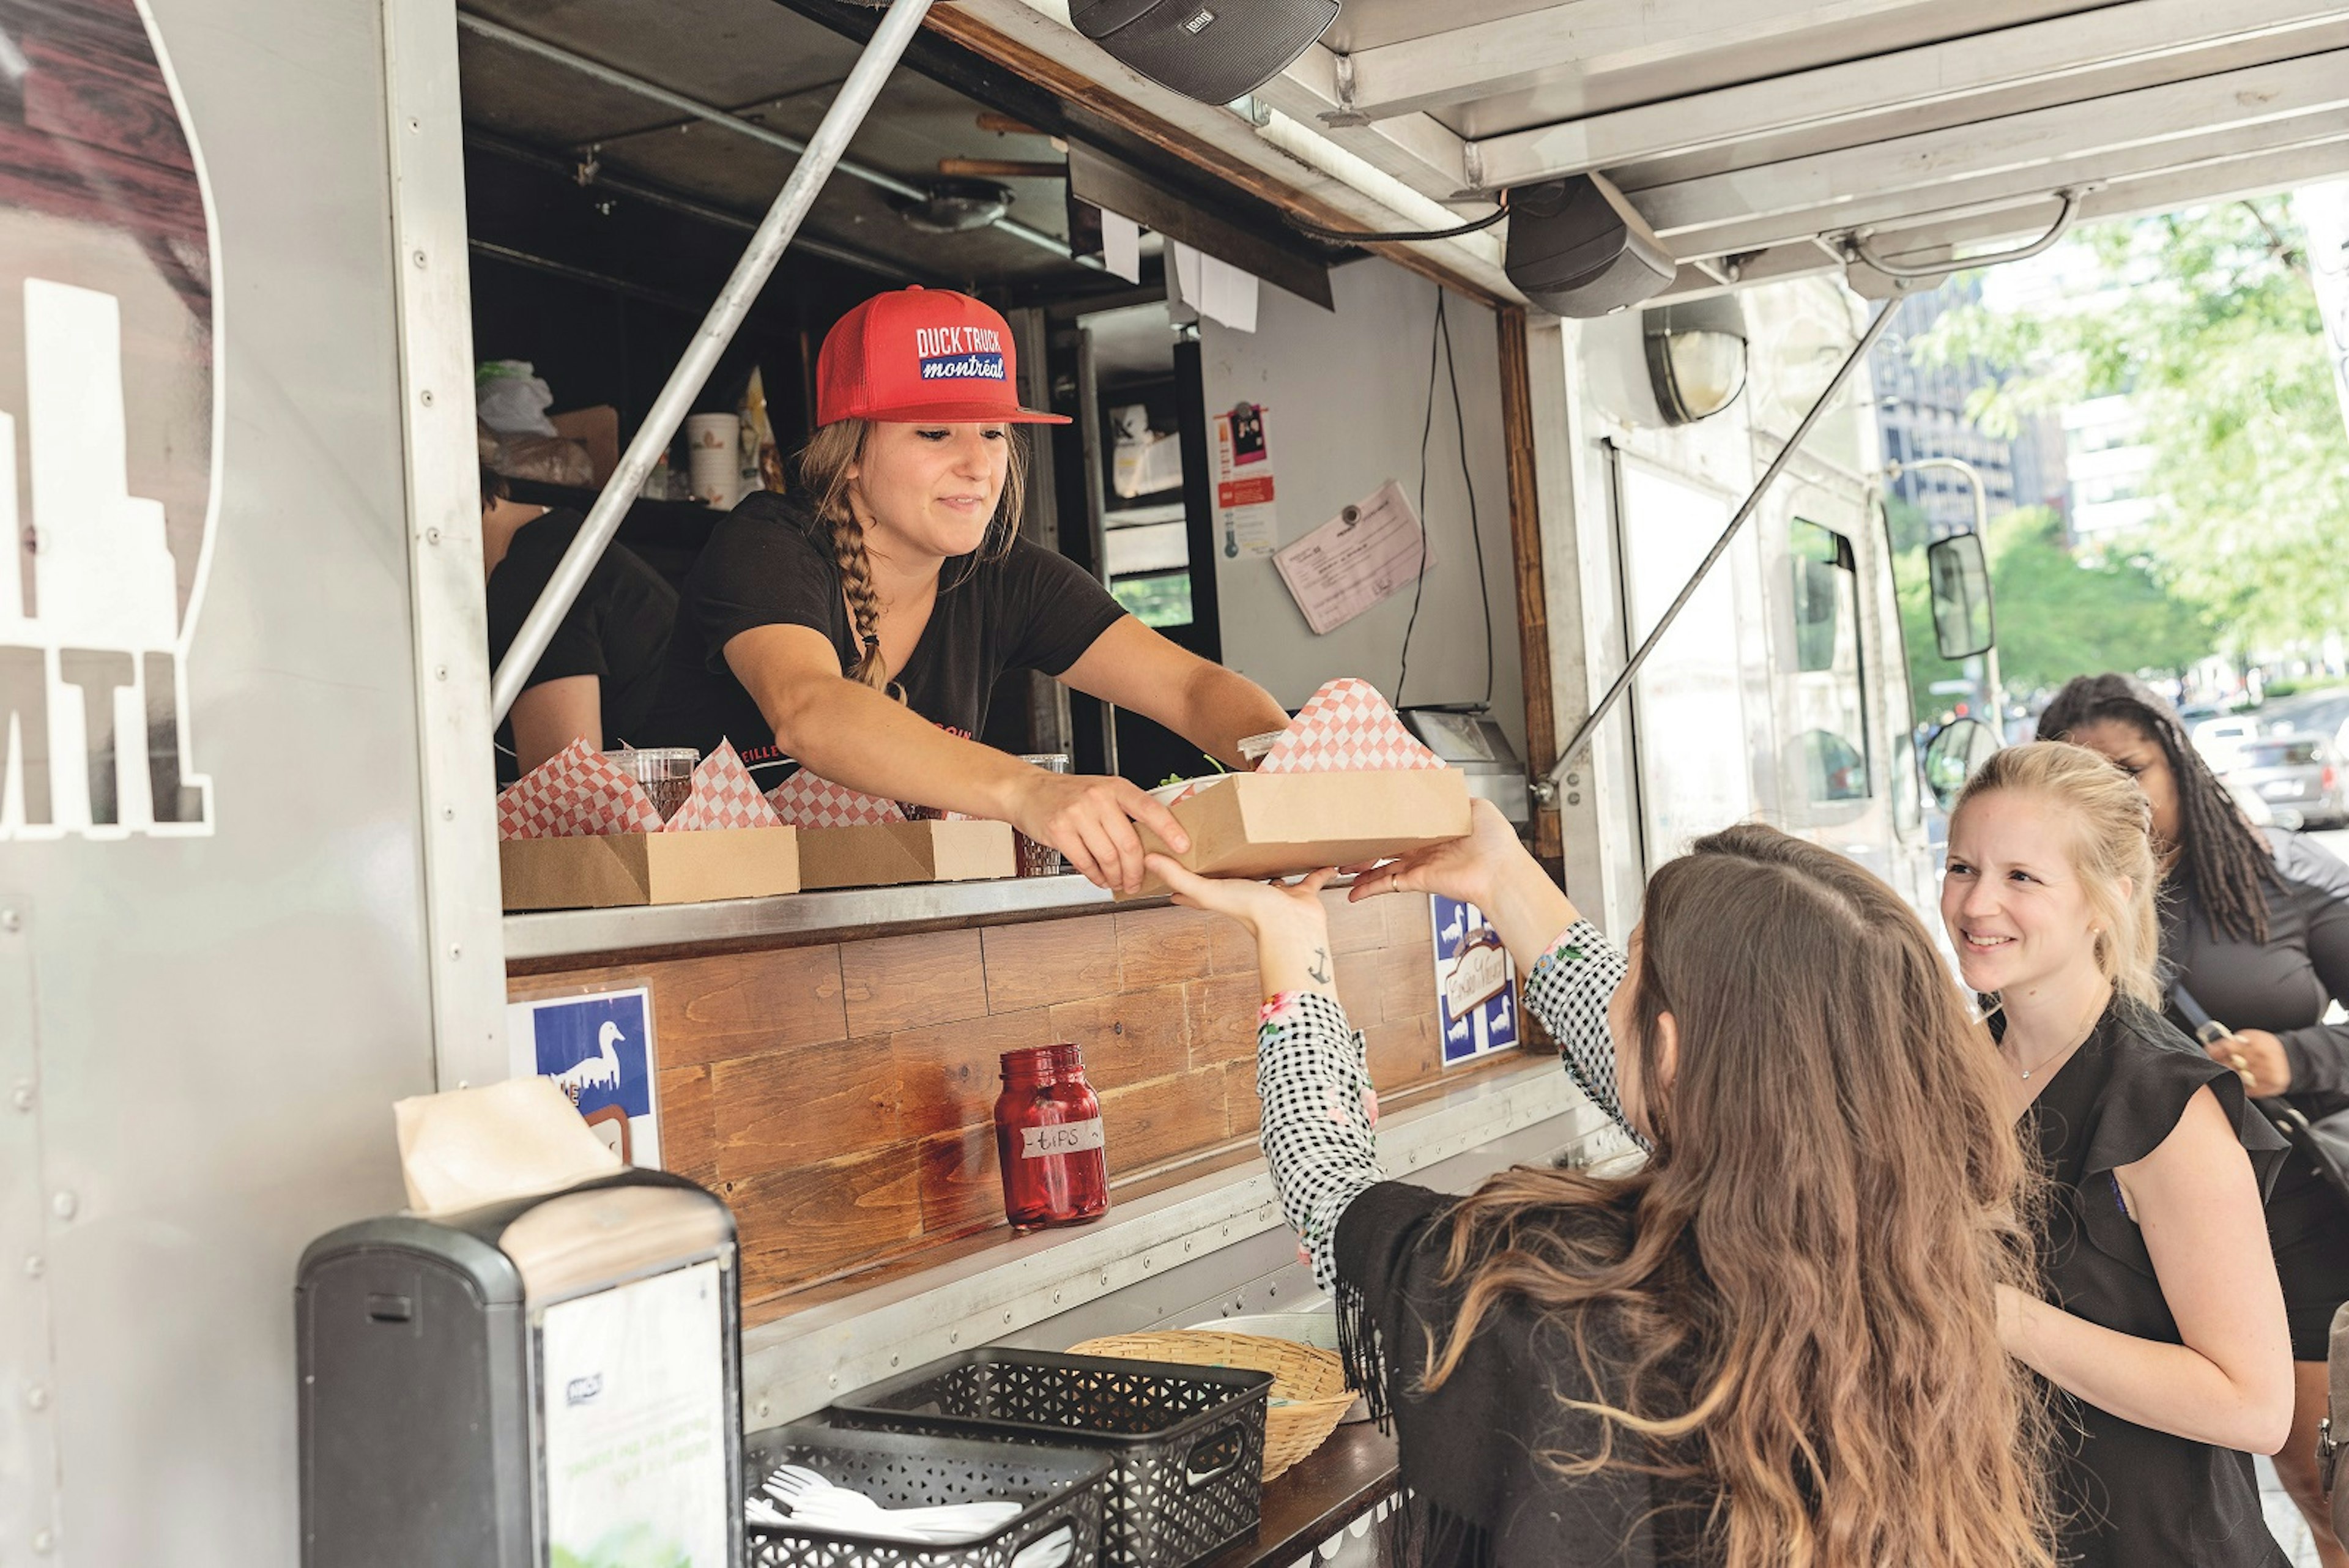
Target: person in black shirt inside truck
2255, 929
598, 676
858, 626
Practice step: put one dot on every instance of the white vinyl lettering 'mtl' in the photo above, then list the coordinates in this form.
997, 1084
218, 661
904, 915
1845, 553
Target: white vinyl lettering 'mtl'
102, 565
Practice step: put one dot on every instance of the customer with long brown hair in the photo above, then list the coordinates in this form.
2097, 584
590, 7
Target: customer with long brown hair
2165, 1326
2255, 929
1776, 1344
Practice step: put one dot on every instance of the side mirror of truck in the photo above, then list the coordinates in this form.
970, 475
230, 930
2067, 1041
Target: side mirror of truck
1953, 753
1962, 623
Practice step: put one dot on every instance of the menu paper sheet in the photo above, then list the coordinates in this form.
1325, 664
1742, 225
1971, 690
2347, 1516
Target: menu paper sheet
1364, 554
636, 1425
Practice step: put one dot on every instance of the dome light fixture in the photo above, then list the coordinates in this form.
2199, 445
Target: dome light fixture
1696, 356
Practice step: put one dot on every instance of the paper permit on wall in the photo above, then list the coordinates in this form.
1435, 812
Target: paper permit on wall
1215, 290
1244, 481
1365, 554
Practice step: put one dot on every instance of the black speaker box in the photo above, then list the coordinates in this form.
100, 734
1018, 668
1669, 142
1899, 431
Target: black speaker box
1577, 248
1212, 50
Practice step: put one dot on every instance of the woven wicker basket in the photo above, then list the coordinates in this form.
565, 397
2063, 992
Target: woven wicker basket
1310, 1395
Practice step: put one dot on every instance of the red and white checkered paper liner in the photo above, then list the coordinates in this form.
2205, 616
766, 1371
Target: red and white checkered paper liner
724, 796
1347, 727
578, 792
804, 800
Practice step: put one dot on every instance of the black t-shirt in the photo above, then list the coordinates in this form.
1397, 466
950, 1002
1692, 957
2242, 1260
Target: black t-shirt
617, 631
767, 563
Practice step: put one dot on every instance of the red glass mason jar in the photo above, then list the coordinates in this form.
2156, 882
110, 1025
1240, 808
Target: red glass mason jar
1048, 1139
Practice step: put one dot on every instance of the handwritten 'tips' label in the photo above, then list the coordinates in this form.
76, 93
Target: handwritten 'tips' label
1068, 1137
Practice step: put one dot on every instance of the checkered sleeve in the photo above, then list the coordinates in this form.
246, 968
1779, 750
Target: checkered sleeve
1319, 1112
1568, 992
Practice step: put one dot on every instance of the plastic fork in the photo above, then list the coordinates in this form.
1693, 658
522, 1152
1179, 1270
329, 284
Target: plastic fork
813, 1500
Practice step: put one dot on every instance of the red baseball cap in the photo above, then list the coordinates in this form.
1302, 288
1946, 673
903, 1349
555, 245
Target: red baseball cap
918, 355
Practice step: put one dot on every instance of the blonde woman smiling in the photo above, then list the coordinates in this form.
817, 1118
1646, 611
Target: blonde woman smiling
2165, 1325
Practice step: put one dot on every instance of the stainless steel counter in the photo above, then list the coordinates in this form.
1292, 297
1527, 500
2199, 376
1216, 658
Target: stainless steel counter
850, 913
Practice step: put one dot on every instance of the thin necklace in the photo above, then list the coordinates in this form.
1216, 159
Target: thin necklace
2066, 1051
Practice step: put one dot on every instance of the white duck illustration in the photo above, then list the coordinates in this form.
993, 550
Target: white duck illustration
1501, 1019
601, 1071
1459, 1029
1451, 934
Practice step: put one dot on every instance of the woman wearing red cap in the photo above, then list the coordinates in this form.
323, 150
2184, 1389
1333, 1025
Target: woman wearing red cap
858, 628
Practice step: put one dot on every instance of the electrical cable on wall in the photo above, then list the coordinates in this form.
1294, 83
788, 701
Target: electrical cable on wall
1440, 336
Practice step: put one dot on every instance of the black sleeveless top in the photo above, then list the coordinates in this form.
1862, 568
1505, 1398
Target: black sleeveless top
2133, 1497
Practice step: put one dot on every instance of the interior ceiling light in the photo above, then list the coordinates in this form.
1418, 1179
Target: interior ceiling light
952, 204
1696, 357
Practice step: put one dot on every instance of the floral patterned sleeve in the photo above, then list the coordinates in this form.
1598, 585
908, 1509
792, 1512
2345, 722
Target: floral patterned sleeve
1568, 992
1318, 1110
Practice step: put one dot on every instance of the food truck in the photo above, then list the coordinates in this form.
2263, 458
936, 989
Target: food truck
256, 253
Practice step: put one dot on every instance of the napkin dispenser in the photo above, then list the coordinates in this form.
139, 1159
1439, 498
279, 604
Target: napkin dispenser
1473, 741
553, 1378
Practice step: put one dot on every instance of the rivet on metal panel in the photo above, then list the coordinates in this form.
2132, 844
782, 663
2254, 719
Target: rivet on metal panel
1574, 778
23, 1097
432, 536
440, 671
1145, 1264
418, 258
1105, 1276
43, 1541
1186, 1245
835, 1381
955, 1338
762, 1406
456, 950
1574, 797
447, 814
10, 920
36, 1397
64, 1205
892, 1361
1007, 1318
415, 125
33, 1266
1056, 1298
425, 396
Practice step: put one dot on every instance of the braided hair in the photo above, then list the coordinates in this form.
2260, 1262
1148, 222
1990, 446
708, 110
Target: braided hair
2222, 856
823, 469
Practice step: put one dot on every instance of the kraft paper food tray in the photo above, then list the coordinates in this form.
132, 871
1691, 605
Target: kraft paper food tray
1271, 825
885, 854
650, 869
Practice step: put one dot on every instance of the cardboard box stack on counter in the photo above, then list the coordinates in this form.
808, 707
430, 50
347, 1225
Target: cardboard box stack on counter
1346, 782
580, 832
848, 839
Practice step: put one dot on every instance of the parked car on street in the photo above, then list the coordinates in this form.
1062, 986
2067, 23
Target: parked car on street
2220, 739
2296, 776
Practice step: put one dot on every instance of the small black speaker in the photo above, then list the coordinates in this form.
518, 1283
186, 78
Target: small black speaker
1213, 50
1577, 248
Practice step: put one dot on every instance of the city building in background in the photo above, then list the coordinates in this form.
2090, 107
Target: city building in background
1921, 412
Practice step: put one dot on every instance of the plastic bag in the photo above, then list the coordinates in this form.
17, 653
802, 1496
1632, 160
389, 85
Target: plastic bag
511, 399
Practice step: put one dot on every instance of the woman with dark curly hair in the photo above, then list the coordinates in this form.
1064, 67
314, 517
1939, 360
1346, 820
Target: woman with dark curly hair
2255, 929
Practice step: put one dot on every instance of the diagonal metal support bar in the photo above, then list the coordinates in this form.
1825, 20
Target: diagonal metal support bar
1573, 749
717, 328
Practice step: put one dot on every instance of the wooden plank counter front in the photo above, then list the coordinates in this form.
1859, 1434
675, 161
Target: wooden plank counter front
841, 1096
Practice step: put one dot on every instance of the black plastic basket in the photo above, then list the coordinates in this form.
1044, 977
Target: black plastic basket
1187, 1441
1064, 1488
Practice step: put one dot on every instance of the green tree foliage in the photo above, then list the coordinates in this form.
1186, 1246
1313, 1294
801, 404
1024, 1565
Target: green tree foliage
2213, 332
2059, 614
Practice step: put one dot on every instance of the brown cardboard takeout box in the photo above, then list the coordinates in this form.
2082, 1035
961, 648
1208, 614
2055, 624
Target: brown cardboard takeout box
885, 854
649, 867
1271, 824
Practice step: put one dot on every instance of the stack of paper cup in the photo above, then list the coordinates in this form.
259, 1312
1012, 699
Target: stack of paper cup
714, 458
